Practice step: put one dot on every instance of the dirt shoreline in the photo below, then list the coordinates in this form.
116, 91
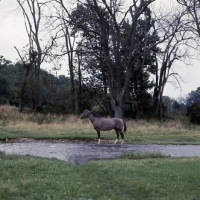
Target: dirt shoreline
28, 140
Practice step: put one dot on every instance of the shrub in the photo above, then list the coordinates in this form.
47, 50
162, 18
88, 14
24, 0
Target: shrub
193, 112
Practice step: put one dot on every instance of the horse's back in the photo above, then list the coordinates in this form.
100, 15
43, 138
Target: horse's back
111, 123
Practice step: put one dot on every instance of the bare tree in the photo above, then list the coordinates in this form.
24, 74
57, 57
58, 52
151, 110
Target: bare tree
59, 22
39, 46
70, 51
192, 7
26, 64
175, 42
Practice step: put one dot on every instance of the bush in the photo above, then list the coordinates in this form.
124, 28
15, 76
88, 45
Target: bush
41, 118
193, 112
56, 109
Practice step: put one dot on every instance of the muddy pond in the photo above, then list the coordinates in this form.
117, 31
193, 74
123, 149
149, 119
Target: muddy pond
80, 153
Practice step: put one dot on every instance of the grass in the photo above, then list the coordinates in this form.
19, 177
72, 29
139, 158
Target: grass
127, 178
16, 125
136, 156
26, 125
170, 132
133, 176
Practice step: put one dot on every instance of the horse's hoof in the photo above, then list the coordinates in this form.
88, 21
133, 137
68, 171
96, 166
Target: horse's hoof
115, 142
99, 141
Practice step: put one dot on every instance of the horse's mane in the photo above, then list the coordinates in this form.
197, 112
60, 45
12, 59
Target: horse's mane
95, 114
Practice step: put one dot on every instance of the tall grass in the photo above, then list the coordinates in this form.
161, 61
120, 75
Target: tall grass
39, 126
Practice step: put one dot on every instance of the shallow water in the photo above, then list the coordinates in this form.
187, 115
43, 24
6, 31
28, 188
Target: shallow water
81, 153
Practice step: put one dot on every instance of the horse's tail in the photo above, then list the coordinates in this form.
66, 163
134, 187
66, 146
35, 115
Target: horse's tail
125, 128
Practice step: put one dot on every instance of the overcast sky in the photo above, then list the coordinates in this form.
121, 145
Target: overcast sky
12, 33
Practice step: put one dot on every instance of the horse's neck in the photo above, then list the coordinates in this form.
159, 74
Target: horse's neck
92, 117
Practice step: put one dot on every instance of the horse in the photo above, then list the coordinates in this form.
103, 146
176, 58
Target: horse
105, 124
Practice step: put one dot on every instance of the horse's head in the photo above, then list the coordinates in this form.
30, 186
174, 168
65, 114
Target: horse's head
84, 114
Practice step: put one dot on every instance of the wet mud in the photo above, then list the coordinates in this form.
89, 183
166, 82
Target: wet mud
80, 153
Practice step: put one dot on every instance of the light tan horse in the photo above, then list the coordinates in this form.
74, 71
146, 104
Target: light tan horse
105, 124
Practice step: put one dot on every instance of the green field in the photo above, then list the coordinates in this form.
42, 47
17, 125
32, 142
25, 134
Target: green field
148, 178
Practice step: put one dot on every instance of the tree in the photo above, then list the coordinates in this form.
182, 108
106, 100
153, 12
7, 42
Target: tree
5, 89
68, 47
144, 65
117, 49
38, 50
26, 65
192, 8
193, 112
93, 63
66, 42
174, 42
172, 106
193, 97
11, 76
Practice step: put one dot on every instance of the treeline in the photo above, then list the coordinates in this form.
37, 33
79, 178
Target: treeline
57, 98
56, 94
14, 80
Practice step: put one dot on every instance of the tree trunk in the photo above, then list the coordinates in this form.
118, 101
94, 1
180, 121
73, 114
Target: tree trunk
118, 105
118, 111
70, 55
23, 89
109, 108
79, 83
72, 86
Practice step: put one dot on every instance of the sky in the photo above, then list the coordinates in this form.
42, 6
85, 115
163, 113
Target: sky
12, 33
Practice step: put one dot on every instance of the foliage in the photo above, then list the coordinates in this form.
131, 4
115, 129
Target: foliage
56, 96
172, 107
55, 90
9, 75
143, 67
193, 112
193, 106
193, 97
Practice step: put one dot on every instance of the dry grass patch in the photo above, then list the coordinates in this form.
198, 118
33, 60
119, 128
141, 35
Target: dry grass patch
168, 132
16, 125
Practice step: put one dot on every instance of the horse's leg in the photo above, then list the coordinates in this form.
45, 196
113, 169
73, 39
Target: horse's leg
122, 136
117, 136
99, 140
